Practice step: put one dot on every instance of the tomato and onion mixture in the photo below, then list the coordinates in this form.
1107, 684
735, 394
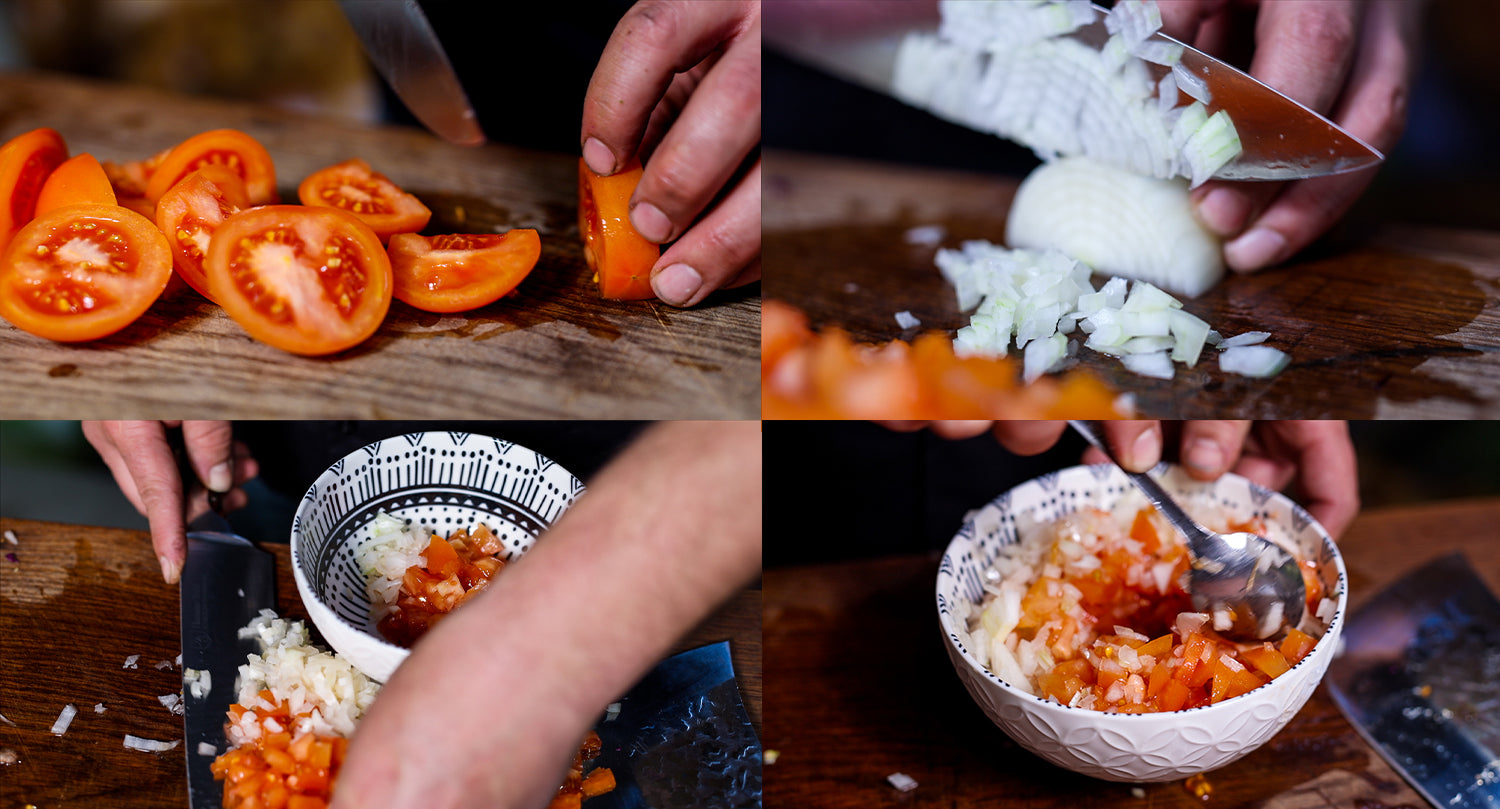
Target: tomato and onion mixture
26, 161
279, 769
620, 257
354, 187
190, 212
82, 272
1093, 615
458, 272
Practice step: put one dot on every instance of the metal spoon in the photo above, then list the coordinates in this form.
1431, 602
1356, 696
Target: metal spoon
1252, 578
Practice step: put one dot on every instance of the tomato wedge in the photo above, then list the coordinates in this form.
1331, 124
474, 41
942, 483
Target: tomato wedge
227, 147
80, 180
461, 271
306, 280
25, 163
129, 180
83, 272
355, 187
192, 210
619, 256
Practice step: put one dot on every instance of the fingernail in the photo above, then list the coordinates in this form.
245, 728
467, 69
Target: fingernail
220, 478
598, 157
169, 571
1145, 452
1257, 248
1205, 456
650, 222
1223, 211
677, 284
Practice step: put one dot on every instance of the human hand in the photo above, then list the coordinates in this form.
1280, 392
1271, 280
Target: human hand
1350, 60
678, 85
141, 460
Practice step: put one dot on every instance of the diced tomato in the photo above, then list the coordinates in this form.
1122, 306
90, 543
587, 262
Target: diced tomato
442, 560
79, 180
352, 186
1267, 658
620, 257
1144, 531
1312, 583
461, 271
26, 161
1296, 645
598, 782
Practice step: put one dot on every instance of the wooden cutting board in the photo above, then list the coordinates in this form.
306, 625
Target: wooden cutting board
78, 600
859, 687
1384, 320
552, 349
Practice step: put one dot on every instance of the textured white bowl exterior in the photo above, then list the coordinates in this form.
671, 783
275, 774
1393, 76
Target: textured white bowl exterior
443, 481
1131, 747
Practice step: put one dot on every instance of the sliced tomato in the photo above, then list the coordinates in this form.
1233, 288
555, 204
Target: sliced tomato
355, 187
231, 148
461, 271
306, 280
190, 212
130, 179
26, 161
80, 180
620, 257
83, 272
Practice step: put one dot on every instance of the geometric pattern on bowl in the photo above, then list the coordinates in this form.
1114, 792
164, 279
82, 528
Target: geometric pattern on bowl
1132, 747
442, 481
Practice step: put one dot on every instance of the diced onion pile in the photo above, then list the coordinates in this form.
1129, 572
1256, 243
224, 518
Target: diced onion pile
1012, 68
385, 557
325, 692
1039, 299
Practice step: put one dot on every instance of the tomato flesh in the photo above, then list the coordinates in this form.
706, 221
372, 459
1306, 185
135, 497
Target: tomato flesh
82, 272
191, 211
620, 257
354, 187
279, 770
462, 271
26, 161
79, 180
230, 148
306, 280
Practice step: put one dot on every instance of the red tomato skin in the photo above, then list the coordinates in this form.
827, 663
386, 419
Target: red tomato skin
26, 161
620, 257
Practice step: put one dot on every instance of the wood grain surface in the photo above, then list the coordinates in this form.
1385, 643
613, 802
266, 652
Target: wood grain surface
1382, 320
553, 349
859, 687
79, 600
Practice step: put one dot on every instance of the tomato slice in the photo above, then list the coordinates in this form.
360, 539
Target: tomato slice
25, 163
192, 210
306, 280
83, 272
227, 147
355, 187
619, 256
80, 180
461, 271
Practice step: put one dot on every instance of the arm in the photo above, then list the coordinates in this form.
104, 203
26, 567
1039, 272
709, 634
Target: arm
490, 707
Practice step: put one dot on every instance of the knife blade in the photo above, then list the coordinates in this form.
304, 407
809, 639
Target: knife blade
1281, 138
226, 581
406, 51
1419, 678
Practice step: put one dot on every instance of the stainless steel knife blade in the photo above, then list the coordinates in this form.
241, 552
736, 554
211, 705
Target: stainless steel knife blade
406, 51
225, 582
1419, 678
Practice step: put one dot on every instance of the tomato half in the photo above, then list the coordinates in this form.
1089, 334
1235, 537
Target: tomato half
619, 256
305, 280
355, 187
25, 163
190, 212
79, 180
227, 147
83, 272
461, 271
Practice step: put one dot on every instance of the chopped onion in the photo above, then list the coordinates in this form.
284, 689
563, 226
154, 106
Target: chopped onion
612, 712
64, 719
901, 781
148, 745
130, 661
199, 682
163, 665
98, 707
10, 536
206, 749
1157, 365
1253, 361
770, 756
1249, 338
906, 320
7, 721
926, 235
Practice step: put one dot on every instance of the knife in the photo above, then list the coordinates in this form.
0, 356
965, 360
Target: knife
1419, 678
1281, 139
226, 581
407, 53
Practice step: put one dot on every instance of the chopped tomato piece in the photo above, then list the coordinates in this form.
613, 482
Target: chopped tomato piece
442, 560
354, 187
1267, 658
130, 179
231, 148
620, 257
598, 782
26, 161
461, 271
80, 180
190, 212
83, 272
1296, 645
306, 280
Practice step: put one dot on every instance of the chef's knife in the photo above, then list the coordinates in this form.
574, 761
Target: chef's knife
1281, 139
406, 51
1419, 678
225, 582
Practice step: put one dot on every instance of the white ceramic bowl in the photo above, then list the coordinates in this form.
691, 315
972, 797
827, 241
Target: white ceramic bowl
443, 481
1131, 747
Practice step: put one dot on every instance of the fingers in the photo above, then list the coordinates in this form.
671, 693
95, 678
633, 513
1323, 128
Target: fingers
152, 472
1028, 437
716, 250
1329, 475
1137, 445
1210, 448
209, 445
1181, 19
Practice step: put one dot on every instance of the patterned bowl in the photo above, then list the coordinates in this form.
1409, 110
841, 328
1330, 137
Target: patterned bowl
439, 480
1132, 747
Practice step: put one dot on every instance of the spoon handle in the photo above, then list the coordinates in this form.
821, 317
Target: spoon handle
1168, 507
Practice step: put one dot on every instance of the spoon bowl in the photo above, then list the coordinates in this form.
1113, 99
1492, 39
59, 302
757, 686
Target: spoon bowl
1251, 587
